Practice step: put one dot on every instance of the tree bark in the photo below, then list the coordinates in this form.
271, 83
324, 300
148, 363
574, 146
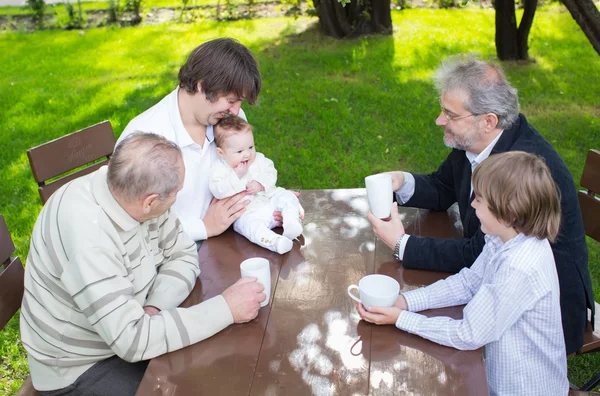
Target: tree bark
356, 18
525, 27
507, 40
587, 17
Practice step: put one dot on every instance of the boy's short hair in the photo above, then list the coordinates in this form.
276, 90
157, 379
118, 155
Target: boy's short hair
224, 66
228, 126
520, 192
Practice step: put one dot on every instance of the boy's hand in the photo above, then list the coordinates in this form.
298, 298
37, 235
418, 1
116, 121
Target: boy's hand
383, 315
241, 169
254, 187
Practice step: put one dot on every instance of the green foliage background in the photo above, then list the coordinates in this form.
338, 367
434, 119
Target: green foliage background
331, 112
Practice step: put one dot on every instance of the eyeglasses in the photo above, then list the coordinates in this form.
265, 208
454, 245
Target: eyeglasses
450, 118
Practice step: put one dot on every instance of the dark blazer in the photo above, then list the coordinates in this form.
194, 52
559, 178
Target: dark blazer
452, 183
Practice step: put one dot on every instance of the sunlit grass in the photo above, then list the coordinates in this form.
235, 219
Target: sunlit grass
330, 111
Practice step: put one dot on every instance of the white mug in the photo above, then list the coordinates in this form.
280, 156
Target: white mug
376, 291
380, 194
259, 268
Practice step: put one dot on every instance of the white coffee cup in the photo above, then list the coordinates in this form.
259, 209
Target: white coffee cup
380, 194
261, 270
376, 291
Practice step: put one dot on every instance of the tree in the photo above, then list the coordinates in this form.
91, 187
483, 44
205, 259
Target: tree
587, 17
511, 41
352, 18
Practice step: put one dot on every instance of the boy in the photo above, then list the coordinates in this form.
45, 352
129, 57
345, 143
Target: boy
241, 168
511, 291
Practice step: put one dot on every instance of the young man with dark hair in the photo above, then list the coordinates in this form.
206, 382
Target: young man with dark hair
214, 81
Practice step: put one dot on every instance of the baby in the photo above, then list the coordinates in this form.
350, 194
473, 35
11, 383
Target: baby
241, 168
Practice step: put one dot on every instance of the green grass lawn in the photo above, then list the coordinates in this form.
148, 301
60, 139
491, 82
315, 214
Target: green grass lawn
330, 113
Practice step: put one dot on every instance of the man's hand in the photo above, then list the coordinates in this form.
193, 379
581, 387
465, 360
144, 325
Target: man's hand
397, 180
279, 218
222, 213
241, 169
254, 187
383, 315
244, 298
387, 231
150, 310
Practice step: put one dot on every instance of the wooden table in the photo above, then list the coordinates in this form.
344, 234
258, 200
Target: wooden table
309, 339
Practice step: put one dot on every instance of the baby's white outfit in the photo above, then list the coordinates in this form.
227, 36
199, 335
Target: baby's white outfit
257, 222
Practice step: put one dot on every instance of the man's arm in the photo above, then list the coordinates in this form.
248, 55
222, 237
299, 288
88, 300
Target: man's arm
437, 191
442, 254
98, 282
178, 269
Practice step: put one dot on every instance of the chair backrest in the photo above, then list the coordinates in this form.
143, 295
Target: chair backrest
69, 152
588, 201
12, 276
590, 209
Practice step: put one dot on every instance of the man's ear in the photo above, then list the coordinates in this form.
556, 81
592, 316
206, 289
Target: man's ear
199, 86
148, 202
491, 122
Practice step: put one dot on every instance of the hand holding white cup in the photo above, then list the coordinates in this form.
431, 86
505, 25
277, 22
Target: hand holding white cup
259, 268
376, 291
380, 194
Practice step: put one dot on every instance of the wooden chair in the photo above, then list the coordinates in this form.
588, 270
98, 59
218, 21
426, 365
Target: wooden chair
12, 277
69, 152
590, 209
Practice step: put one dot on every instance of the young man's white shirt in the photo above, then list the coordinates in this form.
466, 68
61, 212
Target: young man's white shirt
194, 198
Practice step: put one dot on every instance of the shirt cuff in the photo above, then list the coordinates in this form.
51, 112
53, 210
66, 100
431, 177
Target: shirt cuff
416, 300
409, 321
407, 190
194, 227
402, 247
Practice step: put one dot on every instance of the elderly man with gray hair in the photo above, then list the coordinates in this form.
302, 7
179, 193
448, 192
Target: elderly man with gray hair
480, 117
108, 266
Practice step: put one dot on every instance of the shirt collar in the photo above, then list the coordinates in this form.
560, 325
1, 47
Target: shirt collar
496, 244
182, 136
476, 159
108, 203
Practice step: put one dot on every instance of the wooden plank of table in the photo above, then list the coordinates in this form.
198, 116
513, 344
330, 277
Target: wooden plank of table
223, 364
403, 363
319, 347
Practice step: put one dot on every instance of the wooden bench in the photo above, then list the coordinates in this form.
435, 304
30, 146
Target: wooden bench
12, 276
91, 146
590, 209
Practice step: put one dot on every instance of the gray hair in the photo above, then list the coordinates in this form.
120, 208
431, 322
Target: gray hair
144, 164
485, 84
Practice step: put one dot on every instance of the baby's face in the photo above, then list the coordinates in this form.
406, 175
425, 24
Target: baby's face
238, 148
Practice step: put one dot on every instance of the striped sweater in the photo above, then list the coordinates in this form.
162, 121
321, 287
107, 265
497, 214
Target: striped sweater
90, 271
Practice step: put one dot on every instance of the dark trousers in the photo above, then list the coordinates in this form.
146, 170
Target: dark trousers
113, 376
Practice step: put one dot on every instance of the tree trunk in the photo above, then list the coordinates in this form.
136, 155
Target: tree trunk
587, 17
507, 39
525, 27
356, 18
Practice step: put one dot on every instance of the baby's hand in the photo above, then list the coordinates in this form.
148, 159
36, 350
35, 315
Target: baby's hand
254, 187
241, 169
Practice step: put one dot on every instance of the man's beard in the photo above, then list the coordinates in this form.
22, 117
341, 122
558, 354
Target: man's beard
461, 142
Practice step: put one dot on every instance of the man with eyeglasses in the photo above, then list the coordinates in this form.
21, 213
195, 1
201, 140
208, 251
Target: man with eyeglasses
480, 117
